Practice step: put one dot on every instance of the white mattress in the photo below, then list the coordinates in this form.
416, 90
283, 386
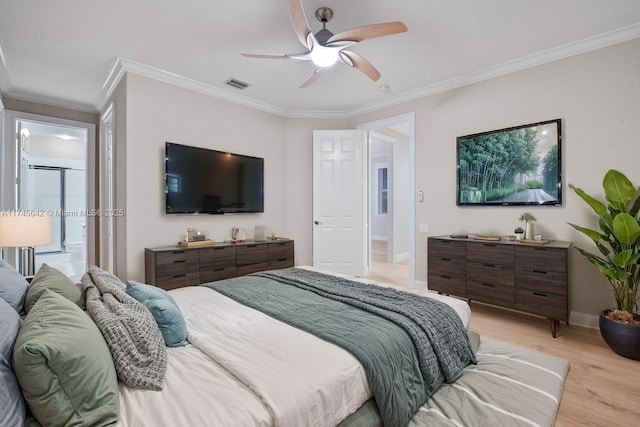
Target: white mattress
246, 368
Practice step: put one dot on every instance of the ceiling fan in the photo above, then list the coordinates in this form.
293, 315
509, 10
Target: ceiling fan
325, 48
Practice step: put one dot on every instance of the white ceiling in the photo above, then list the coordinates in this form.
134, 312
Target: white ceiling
68, 53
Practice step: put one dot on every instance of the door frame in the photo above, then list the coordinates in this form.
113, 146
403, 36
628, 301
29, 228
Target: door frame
384, 123
8, 156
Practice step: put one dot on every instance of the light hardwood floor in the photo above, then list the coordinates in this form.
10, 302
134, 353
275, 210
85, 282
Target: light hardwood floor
602, 388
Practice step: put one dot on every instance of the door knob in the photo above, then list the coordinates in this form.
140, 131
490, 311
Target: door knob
317, 222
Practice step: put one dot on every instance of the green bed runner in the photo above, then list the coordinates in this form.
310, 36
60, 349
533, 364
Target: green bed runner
404, 363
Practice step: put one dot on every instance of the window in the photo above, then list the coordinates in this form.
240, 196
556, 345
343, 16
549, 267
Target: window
382, 189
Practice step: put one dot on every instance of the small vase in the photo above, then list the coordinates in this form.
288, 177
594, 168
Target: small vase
528, 230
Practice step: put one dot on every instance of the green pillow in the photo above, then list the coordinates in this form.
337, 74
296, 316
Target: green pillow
165, 311
48, 277
64, 366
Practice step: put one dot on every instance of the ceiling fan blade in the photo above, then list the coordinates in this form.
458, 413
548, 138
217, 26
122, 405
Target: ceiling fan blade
357, 61
299, 21
313, 77
266, 55
368, 32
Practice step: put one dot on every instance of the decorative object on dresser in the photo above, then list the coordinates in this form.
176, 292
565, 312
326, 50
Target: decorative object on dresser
618, 241
519, 232
528, 225
529, 278
173, 267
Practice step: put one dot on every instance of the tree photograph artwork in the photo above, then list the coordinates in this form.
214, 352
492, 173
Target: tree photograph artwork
519, 165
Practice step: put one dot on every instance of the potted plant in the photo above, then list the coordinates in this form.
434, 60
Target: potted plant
618, 241
528, 220
519, 231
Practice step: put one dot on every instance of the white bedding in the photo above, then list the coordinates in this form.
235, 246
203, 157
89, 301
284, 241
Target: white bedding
248, 369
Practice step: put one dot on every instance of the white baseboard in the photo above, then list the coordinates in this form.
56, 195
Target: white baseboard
420, 284
403, 256
584, 319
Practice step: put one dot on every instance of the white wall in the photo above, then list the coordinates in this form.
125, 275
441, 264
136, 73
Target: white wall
597, 94
159, 112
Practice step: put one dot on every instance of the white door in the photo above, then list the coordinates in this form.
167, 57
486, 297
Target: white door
339, 201
107, 191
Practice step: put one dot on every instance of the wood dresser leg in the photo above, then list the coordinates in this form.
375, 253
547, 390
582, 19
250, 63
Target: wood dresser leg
554, 327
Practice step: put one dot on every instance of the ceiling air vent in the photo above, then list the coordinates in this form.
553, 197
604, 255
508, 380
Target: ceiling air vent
237, 83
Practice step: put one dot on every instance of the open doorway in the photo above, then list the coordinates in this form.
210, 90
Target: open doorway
391, 200
52, 161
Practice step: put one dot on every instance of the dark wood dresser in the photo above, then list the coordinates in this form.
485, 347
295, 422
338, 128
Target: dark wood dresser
528, 277
171, 267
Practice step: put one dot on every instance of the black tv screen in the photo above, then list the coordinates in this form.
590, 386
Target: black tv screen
519, 165
200, 180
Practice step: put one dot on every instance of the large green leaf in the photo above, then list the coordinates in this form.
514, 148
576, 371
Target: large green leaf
626, 228
618, 190
598, 207
625, 258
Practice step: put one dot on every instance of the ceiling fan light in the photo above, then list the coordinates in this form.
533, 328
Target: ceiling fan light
324, 57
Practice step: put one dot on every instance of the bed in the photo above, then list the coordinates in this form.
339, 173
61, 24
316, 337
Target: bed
243, 367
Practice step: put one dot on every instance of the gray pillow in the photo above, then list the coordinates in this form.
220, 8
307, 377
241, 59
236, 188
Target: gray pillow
12, 410
48, 277
64, 366
13, 286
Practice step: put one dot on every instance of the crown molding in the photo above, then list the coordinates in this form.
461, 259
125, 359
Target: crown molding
565, 51
123, 65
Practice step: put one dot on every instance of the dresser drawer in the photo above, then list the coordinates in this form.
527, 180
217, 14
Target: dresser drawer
178, 280
280, 263
211, 275
177, 262
252, 268
542, 304
446, 248
447, 266
279, 250
550, 282
217, 258
490, 293
542, 258
492, 253
491, 273
450, 285
251, 254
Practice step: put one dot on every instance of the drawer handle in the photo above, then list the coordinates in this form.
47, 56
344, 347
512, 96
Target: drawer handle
219, 249
489, 285
489, 265
219, 269
539, 294
281, 244
252, 246
175, 276
177, 252
539, 271
445, 259
491, 245
540, 249
445, 277
282, 259
178, 261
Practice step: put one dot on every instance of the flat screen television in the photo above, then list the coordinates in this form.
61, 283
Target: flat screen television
200, 180
520, 165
